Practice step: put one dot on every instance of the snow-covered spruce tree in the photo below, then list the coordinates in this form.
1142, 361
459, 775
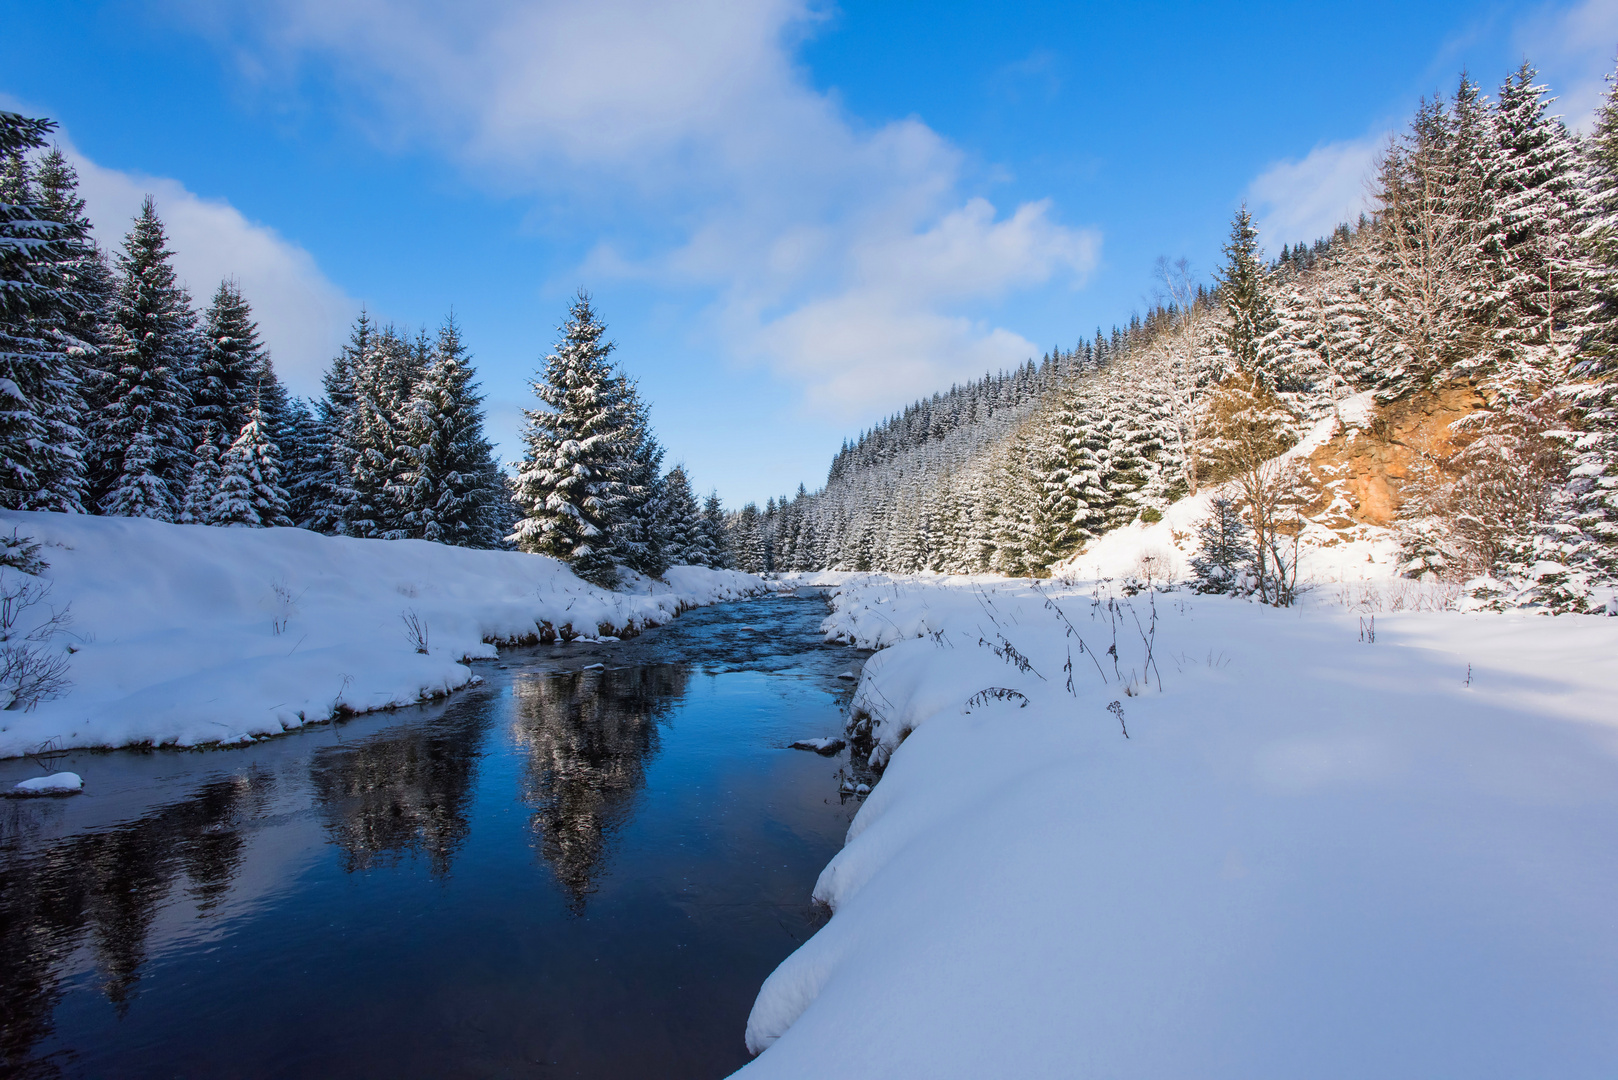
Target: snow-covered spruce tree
450, 488
322, 495
715, 550
382, 380
304, 454
679, 522
203, 486
1530, 237
1544, 265
745, 540
1591, 511
230, 369
140, 434
1244, 290
636, 543
250, 493
578, 452
44, 253
1225, 550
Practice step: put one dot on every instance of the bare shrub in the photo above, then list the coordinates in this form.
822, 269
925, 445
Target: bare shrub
33, 667
415, 630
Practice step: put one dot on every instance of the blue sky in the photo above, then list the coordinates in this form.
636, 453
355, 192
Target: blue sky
795, 218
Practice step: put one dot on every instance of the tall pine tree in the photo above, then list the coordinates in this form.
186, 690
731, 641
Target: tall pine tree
570, 485
250, 492
231, 368
450, 488
140, 434
44, 250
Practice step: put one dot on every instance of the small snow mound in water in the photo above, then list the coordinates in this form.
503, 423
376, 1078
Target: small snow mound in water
820, 746
848, 675
62, 783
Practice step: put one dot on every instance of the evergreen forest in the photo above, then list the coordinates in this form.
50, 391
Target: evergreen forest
1484, 272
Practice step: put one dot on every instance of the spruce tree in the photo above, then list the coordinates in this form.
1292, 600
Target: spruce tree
714, 546
745, 540
679, 522
140, 436
303, 460
323, 494
570, 484
231, 370
203, 486
450, 487
382, 380
1537, 207
1593, 499
1244, 288
250, 493
1225, 551
636, 543
44, 251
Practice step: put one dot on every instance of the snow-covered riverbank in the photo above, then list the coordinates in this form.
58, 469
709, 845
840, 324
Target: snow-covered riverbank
188, 635
1328, 847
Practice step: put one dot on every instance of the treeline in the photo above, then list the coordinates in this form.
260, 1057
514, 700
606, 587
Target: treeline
121, 399
117, 397
1489, 261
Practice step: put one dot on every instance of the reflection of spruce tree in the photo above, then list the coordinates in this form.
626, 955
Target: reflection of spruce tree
403, 792
107, 886
588, 736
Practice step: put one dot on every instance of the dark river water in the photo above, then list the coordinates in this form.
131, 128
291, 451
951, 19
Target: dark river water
560, 872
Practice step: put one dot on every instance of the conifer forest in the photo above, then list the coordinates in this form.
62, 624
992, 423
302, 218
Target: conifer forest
1484, 273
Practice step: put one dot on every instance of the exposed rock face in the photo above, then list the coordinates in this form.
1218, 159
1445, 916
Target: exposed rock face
1361, 473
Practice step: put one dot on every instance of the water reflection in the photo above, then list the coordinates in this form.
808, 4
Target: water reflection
535, 782
105, 889
587, 737
405, 791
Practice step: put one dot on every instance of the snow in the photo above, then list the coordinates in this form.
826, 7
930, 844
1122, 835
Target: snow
187, 635
62, 783
1313, 855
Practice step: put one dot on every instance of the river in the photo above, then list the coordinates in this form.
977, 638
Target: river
566, 870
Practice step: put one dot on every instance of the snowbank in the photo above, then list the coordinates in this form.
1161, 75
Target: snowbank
184, 635
62, 783
1328, 847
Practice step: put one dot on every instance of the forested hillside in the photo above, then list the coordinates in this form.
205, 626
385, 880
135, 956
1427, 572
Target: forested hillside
1475, 303
1478, 296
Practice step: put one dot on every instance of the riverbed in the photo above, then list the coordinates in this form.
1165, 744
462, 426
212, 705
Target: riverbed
585, 865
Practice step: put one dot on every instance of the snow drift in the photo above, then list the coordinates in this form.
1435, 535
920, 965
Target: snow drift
186, 634
1327, 847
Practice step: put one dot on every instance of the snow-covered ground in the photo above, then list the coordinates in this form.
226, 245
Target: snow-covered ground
186, 634
1328, 847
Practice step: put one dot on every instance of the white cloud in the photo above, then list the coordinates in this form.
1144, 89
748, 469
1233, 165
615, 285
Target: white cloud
1301, 201
836, 253
301, 314
886, 331
858, 347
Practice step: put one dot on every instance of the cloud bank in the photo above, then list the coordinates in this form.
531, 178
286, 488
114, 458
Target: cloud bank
302, 316
1301, 201
846, 257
